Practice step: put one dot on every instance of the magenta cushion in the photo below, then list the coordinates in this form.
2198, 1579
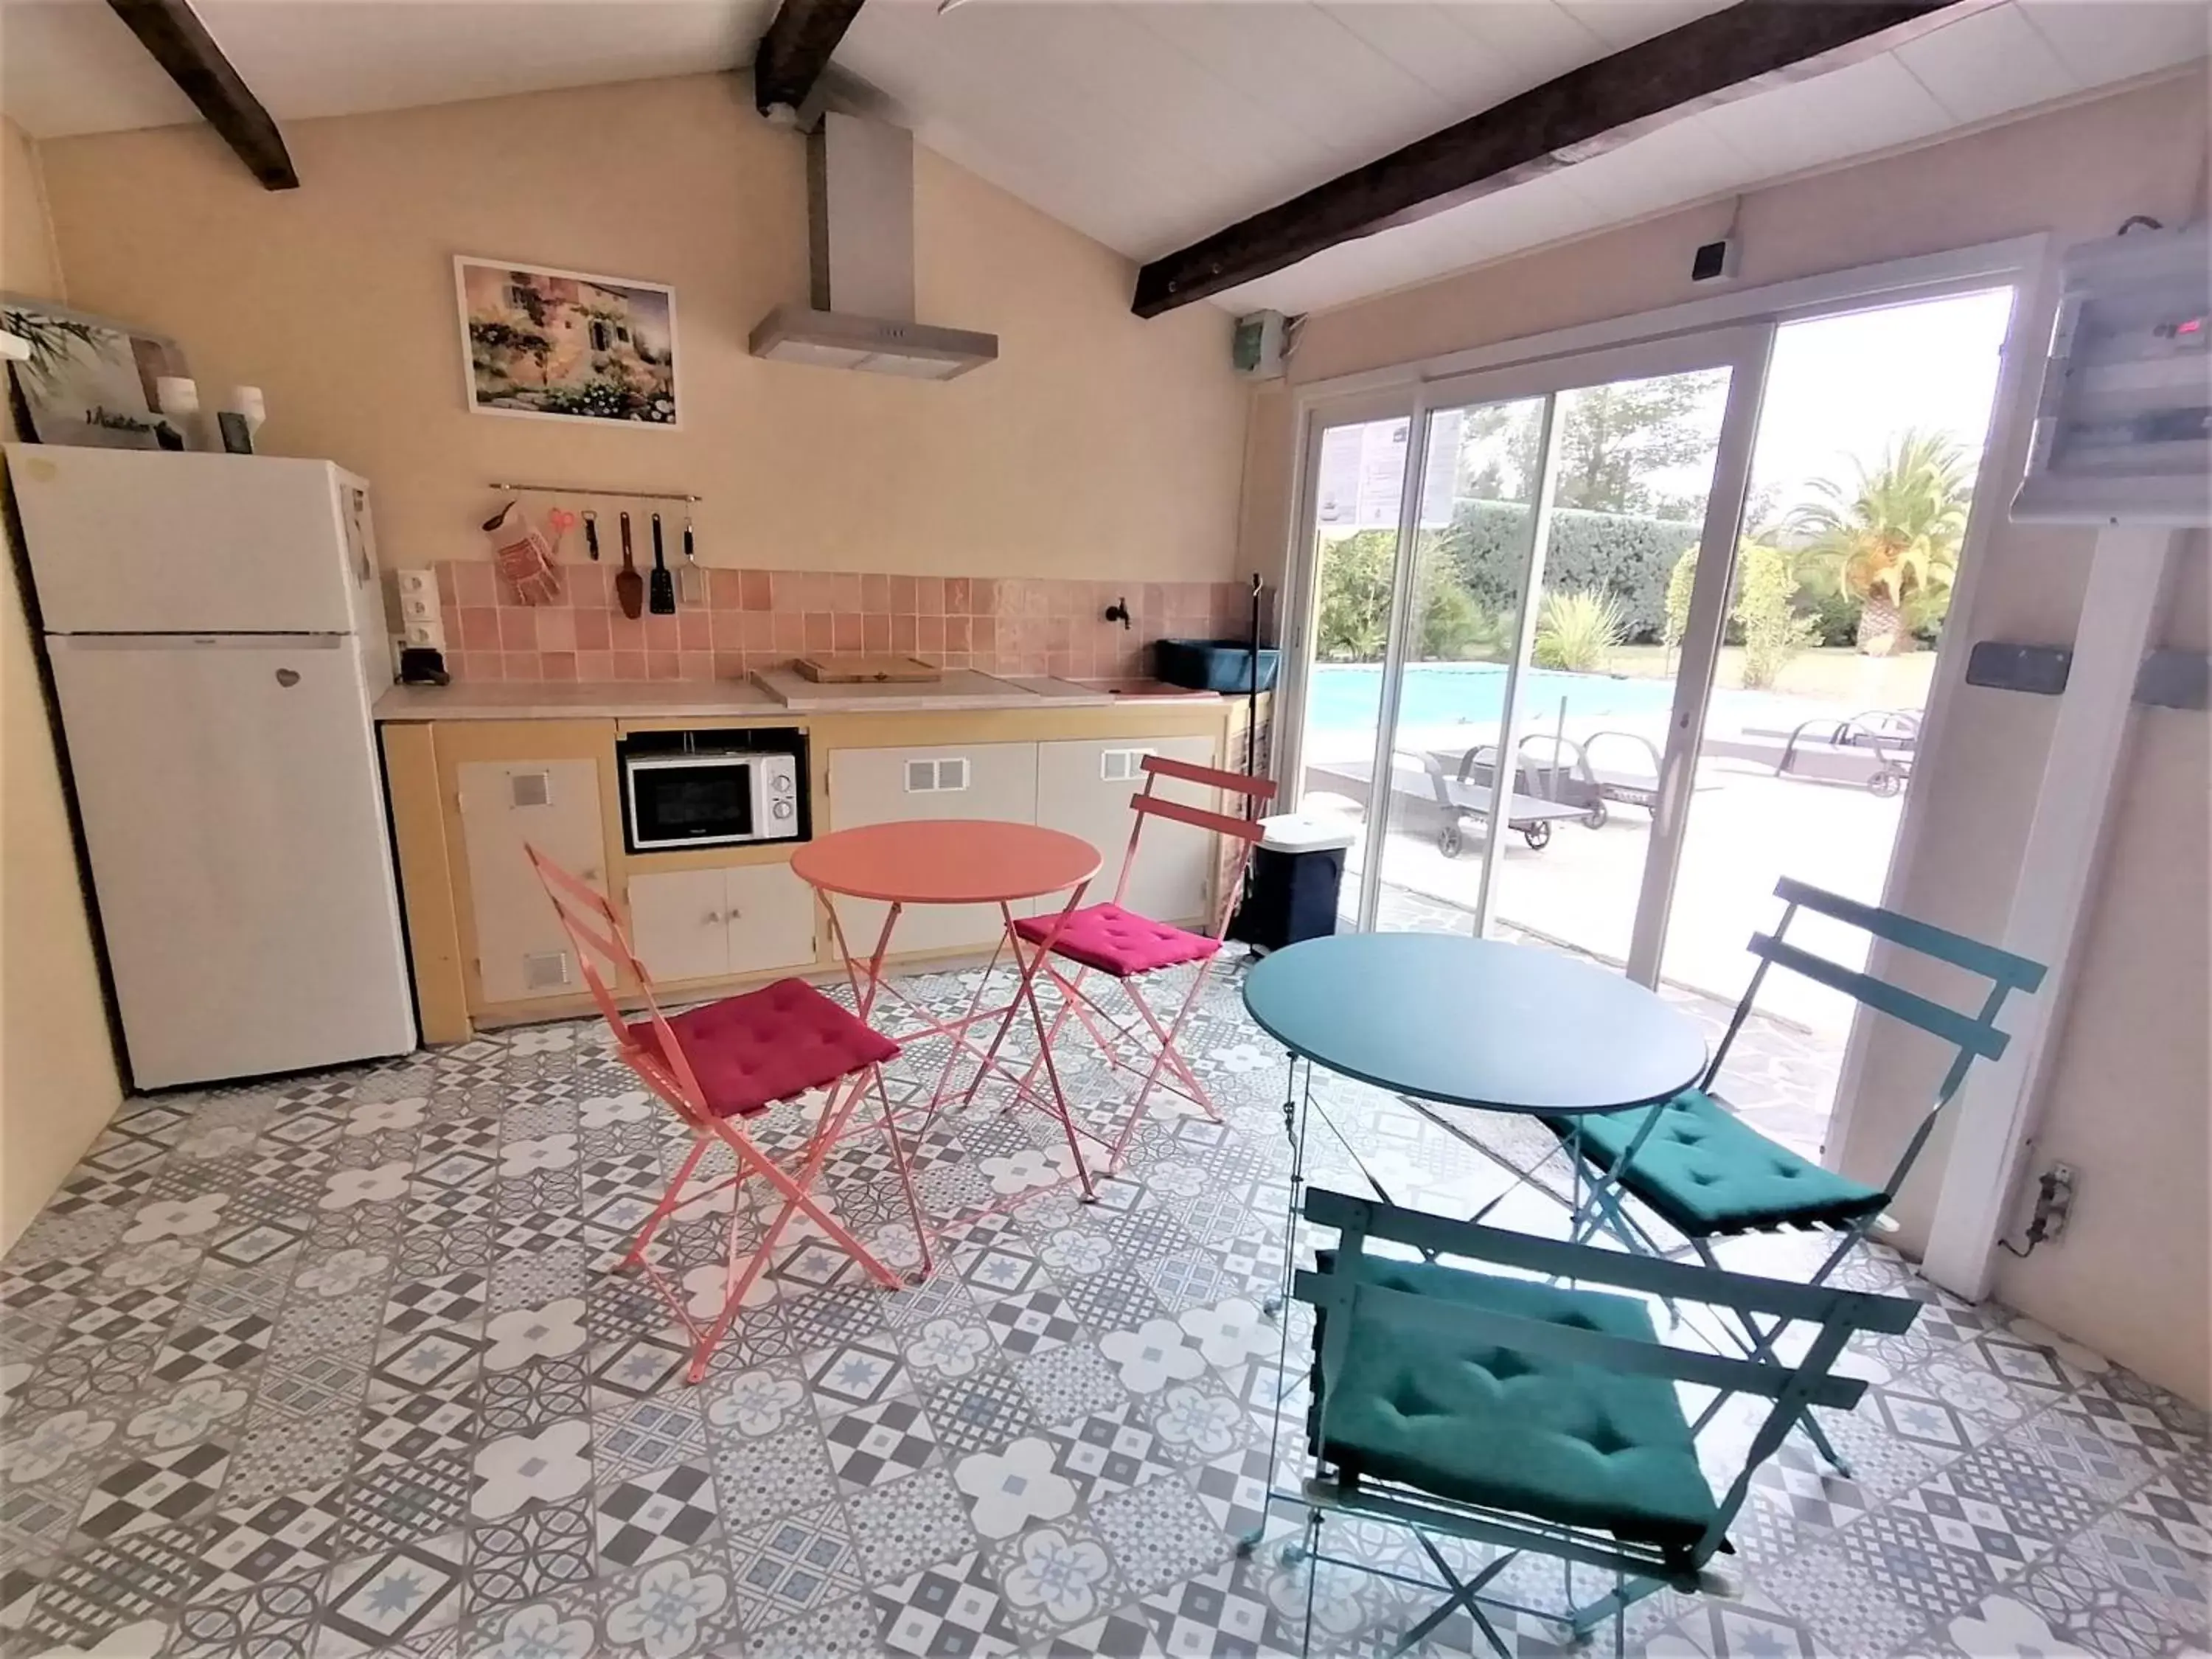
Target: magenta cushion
751, 1050
1117, 941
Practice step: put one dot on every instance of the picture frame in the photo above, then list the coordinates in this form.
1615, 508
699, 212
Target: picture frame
88, 380
550, 344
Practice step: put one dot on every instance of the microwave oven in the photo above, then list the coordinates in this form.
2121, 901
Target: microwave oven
700, 793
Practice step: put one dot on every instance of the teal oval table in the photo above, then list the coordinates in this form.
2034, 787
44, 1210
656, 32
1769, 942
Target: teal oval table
1479, 1023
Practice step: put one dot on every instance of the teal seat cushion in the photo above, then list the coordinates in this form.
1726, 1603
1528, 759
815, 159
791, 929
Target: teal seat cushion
1424, 1402
1704, 1170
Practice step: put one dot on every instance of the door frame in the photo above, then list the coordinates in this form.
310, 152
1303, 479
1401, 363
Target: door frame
1743, 351
2023, 264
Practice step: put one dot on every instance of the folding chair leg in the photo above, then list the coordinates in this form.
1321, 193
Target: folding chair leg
668, 1205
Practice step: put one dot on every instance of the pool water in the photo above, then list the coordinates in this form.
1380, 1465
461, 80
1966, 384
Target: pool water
1347, 696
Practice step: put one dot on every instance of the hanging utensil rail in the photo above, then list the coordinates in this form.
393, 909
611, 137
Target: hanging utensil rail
571, 489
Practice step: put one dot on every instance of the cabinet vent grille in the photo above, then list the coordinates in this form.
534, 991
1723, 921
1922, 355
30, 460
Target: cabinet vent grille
931, 777
1121, 765
545, 970
530, 789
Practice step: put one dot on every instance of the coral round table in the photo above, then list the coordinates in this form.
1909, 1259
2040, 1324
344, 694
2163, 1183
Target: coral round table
959, 861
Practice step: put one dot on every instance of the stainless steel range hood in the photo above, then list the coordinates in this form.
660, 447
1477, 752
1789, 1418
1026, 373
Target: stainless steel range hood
859, 213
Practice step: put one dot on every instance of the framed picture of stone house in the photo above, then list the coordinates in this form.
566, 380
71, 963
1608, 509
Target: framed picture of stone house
564, 345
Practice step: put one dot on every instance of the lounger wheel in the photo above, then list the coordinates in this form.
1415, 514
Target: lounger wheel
1538, 835
1450, 841
1886, 783
1596, 817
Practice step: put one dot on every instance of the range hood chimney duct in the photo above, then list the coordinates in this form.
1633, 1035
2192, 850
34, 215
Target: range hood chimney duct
860, 246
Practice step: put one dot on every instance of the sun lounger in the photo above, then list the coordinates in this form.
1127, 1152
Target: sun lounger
1875, 749
1424, 778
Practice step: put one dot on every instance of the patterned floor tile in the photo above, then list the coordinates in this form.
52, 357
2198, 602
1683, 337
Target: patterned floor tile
902, 1527
288, 1537
394, 1596
285, 1352
543, 1547
793, 1564
1159, 1532
953, 1609
650, 1514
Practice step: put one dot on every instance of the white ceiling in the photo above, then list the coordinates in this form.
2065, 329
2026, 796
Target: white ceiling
70, 66
1148, 124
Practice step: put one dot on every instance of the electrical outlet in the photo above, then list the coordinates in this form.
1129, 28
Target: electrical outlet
2054, 1203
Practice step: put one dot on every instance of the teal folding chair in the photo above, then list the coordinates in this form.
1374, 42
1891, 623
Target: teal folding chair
1708, 1174
1520, 1411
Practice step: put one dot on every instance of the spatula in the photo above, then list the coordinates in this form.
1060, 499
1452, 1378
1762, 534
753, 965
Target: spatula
663, 603
629, 587
690, 580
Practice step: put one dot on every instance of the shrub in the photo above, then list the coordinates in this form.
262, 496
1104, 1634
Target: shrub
1625, 557
1353, 616
1683, 578
1575, 630
1835, 616
1765, 608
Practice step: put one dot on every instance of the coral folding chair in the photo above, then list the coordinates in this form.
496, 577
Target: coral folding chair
1126, 947
715, 1067
1707, 1174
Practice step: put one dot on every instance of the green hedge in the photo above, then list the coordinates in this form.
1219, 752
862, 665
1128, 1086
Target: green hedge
1625, 557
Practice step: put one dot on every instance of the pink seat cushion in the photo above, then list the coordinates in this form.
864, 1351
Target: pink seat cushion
1117, 941
751, 1050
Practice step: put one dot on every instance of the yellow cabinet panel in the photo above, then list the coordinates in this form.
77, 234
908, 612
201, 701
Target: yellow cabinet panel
953, 780
1084, 787
522, 954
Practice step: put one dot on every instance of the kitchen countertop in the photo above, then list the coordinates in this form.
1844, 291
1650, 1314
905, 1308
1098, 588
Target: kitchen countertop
772, 691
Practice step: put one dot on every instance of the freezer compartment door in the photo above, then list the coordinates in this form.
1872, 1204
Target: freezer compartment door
134, 541
234, 814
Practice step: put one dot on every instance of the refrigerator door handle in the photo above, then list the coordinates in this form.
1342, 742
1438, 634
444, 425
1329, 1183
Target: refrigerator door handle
197, 641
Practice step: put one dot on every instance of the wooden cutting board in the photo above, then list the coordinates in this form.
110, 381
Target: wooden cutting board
849, 670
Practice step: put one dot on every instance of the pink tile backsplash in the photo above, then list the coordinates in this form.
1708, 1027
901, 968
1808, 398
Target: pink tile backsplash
761, 618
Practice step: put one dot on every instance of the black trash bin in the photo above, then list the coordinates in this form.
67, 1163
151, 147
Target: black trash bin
1292, 892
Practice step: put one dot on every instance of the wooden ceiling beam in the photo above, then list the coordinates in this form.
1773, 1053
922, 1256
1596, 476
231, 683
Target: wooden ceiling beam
179, 43
796, 49
1745, 48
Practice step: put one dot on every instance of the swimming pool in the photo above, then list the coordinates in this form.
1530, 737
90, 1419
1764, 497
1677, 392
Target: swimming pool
1345, 696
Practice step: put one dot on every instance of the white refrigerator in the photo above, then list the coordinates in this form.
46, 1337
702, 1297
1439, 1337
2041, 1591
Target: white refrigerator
217, 629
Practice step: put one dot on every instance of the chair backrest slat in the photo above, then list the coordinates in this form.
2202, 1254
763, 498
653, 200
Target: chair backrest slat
1973, 1035
1987, 960
1212, 777
593, 928
1648, 1275
1220, 824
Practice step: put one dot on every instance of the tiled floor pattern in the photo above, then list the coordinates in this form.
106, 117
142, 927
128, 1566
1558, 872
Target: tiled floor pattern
336, 1365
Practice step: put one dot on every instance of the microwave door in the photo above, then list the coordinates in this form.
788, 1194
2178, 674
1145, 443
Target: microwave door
686, 802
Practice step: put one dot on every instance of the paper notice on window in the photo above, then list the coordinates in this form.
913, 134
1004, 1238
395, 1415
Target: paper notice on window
1361, 483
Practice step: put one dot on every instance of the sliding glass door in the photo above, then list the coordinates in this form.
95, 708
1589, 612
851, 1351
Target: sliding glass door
1501, 671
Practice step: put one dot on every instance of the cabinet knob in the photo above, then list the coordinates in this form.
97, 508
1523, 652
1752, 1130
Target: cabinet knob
709, 919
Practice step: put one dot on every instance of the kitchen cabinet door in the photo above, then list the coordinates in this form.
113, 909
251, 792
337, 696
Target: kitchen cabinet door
679, 925
955, 780
522, 954
770, 918
1084, 787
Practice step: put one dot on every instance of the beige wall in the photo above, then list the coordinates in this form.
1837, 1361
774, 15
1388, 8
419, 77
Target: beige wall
57, 1082
1097, 444
2131, 1090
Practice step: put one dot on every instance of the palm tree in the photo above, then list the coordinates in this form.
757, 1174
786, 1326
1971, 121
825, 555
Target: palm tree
1891, 539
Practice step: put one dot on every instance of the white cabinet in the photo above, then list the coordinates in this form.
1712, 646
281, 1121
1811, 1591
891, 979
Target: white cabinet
710, 924
956, 781
522, 952
771, 917
1084, 787
677, 924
